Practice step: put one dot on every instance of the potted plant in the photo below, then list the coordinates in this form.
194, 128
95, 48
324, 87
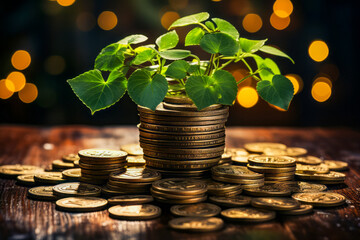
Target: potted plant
152, 72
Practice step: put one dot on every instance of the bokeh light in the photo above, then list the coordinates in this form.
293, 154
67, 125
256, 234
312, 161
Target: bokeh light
18, 80
252, 22
21, 59
324, 79
283, 8
107, 20
65, 3
321, 91
54, 65
168, 18
29, 93
85, 21
278, 22
247, 97
239, 7
178, 4
296, 81
318, 50
6, 88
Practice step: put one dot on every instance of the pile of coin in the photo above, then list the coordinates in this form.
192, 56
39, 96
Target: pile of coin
238, 175
215, 188
179, 191
180, 141
134, 180
274, 168
97, 164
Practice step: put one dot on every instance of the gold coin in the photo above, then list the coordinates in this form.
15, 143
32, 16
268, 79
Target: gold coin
171, 164
303, 209
178, 100
183, 136
18, 169
190, 107
275, 203
321, 199
185, 119
268, 190
60, 164
175, 150
42, 193
290, 152
321, 168
180, 201
100, 162
242, 160
135, 174
287, 178
196, 224
270, 170
76, 163
186, 130
104, 154
101, 172
105, 190
272, 161
282, 174
130, 184
132, 149
183, 123
104, 166
135, 161
130, 199
49, 178
180, 186
248, 214
26, 180
195, 210
160, 194
238, 180
76, 189
302, 187
309, 160
259, 147
236, 172
81, 204
92, 180
334, 165
181, 156
182, 144
135, 212
233, 201
214, 186
72, 174
331, 176
71, 158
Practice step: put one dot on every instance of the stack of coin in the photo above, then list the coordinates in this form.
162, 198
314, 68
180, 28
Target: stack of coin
274, 168
237, 174
178, 140
97, 164
134, 180
179, 191
215, 188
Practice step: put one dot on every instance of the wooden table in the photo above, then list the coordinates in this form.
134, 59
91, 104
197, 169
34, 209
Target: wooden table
21, 218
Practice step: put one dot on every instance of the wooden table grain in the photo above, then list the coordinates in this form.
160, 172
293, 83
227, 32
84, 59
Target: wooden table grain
21, 218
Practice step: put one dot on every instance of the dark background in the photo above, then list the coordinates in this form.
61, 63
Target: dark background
44, 28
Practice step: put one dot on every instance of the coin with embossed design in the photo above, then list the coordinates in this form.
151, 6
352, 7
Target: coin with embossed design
71, 158
272, 161
72, 174
106, 154
259, 147
331, 176
195, 210
182, 186
303, 209
309, 160
133, 149
135, 212
74, 189
135, 174
275, 203
297, 187
334, 165
321, 199
43, 193
196, 224
290, 151
231, 171
269, 190
49, 178
234, 201
18, 169
130, 199
26, 180
81, 204
321, 168
248, 214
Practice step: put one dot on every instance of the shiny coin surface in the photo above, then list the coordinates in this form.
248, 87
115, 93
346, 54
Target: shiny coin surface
178, 100
321, 168
18, 169
214, 186
303, 209
290, 152
42, 193
238, 180
102, 154
268, 190
331, 176
195, 210
234, 201
135, 161
334, 165
302, 187
272, 161
322, 199
182, 186
235, 172
130, 199
156, 193
133, 149
248, 214
196, 224
71, 158
81, 204
74, 189
275, 203
49, 178
180, 201
259, 147
189, 107
309, 160
136, 174
72, 174
270, 170
60, 164
26, 180
135, 212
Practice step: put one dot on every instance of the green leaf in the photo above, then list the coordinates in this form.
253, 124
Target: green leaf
210, 25
191, 19
144, 54
226, 27
276, 52
111, 57
177, 87
178, 69
194, 37
207, 90
251, 46
175, 54
267, 64
97, 94
219, 43
167, 41
279, 91
133, 39
146, 90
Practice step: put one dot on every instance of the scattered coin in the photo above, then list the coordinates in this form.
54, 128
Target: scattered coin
195, 210
180, 186
133, 149
234, 201
220, 188
309, 160
322, 199
135, 212
290, 152
130, 199
302, 187
248, 214
334, 165
71, 158
326, 178
303, 209
18, 169
232, 171
72, 174
275, 203
60, 164
136, 174
260, 147
43, 193
180, 201
101, 154
272, 161
321, 168
49, 178
26, 180
269, 190
81, 204
196, 224
74, 189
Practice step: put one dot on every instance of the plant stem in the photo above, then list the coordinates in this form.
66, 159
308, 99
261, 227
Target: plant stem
205, 27
250, 75
196, 57
227, 63
248, 66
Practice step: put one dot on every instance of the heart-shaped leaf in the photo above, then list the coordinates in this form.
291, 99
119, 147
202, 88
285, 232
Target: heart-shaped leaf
251, 46
97, 94
219, 43
191, 19
226, 27
146, 90
279, 91
144, 54
275, 51
133, 39
210, 25
167, 41
111, 57
178, 69
175, 54
194, 37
